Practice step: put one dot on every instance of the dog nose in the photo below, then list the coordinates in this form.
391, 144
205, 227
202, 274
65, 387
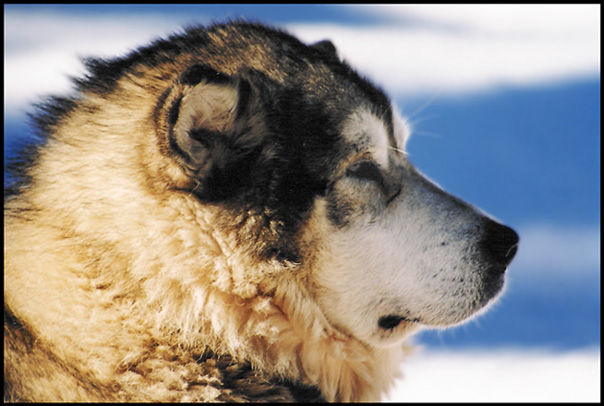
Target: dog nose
499, 243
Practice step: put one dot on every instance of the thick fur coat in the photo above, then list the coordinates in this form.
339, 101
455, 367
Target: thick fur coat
196, 223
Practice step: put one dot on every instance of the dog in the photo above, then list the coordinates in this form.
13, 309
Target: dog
228, 214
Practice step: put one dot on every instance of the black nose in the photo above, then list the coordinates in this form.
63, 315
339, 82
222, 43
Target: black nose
499, 243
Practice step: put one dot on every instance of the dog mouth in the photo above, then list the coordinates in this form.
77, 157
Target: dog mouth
392, 321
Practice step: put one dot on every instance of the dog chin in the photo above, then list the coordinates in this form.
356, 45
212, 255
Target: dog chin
393, 327
392, 330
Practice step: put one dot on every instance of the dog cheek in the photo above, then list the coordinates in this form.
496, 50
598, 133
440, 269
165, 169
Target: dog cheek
339, 210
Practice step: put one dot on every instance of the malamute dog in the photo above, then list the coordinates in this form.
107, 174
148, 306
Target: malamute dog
229, 215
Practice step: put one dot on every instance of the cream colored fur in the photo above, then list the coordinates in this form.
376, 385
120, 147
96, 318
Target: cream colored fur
130, 277
124, 280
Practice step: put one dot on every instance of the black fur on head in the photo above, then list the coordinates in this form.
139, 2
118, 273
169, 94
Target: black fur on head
214, 127
271, 150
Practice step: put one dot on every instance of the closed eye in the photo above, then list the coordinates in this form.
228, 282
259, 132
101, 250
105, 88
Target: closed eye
369, 171
366, 170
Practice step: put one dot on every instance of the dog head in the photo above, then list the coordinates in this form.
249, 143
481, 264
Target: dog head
307, 161
399, 251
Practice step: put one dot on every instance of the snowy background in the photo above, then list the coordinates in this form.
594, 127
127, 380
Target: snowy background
504, 103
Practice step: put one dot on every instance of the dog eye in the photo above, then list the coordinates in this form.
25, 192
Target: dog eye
366, 170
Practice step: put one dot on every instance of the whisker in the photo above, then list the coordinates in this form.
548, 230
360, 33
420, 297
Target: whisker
418, 120
425, 105
399, 150
427, 134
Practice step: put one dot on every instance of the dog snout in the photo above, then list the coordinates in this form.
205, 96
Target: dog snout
499, 244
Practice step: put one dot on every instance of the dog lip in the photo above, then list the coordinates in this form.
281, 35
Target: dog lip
496, 270
494, 281
392, 321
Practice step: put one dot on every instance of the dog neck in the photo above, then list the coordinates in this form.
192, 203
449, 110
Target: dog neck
259, 313
286, 335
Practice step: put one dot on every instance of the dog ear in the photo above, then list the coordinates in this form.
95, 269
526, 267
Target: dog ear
212, 122
327, 48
